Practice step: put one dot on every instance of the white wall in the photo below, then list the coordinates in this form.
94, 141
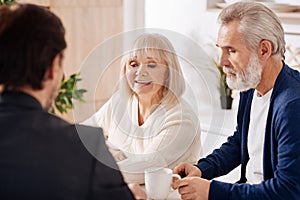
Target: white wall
184, 16
189, 18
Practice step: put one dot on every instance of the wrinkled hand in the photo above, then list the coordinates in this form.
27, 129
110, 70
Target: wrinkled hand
185, 169
137, 191
194, 188
117, 154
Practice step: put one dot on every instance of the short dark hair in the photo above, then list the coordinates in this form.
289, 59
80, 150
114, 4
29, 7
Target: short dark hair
30, 38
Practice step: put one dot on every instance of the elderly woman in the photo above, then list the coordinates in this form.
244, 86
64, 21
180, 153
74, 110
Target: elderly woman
147, 121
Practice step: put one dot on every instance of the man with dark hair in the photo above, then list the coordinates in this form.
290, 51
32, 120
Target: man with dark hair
41, 155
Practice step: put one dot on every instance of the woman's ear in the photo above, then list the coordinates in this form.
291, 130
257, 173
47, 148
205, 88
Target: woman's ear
265, 49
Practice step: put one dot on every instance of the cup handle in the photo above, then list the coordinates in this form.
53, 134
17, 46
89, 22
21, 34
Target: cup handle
177, 176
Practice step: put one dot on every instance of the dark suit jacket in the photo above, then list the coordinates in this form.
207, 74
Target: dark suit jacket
44, 157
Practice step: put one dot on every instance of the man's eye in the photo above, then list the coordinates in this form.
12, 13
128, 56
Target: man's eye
231, 51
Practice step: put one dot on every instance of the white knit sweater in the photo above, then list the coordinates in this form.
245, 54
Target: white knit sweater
171, 134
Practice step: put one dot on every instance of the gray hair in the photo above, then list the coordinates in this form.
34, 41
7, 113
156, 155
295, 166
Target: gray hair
257, 23
175, 84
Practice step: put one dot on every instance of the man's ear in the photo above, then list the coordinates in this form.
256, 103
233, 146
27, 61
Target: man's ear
265, 49
49, 74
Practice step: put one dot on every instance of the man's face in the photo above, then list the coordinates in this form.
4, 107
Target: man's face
242, 67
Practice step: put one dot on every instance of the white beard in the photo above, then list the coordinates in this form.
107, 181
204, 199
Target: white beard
247, 79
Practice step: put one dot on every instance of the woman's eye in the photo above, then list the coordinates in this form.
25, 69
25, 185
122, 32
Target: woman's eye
133, 64
151, 65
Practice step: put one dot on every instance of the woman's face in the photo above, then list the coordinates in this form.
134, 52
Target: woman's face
147, 74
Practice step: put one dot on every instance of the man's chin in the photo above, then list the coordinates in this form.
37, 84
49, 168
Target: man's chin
240, 87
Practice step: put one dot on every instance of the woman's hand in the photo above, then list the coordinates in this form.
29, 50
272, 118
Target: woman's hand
117, 154
137, 191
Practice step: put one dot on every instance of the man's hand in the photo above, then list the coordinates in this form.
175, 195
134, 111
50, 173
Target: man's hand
137, 191
185, 169
194, 188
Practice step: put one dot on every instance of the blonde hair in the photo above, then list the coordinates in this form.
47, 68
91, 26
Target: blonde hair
257, 23
174, 85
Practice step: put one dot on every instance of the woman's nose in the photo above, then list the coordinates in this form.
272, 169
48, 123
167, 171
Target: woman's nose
142, 70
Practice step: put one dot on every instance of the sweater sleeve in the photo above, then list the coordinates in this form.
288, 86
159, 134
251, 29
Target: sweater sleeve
101, 118
221, 161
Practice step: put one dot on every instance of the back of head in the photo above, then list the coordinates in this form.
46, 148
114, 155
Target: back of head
257, 23
30, 37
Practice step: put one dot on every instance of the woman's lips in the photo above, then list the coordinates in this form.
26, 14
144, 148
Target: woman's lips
143, 82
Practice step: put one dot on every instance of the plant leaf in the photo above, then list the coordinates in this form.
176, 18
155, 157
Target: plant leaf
68, 92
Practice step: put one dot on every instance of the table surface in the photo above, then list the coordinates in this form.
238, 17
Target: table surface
173, 195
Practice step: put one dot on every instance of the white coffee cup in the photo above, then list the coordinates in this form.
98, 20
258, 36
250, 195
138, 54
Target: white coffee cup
158, 182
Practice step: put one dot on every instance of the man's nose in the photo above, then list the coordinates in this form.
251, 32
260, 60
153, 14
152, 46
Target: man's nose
223, 60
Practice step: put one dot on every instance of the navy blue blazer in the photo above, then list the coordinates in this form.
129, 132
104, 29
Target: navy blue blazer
44, 157
281, 153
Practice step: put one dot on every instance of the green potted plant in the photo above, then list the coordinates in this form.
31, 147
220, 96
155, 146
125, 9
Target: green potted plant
67, 93
7, 2
225, 91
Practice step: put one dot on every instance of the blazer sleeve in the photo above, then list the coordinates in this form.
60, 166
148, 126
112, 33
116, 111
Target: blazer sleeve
284, 181
114, 186
221, 161
106, 181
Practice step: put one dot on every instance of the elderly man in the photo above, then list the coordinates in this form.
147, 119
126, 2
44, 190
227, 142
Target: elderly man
266, 142
43, 156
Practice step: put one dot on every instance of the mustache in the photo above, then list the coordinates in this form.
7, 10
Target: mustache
228, 70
